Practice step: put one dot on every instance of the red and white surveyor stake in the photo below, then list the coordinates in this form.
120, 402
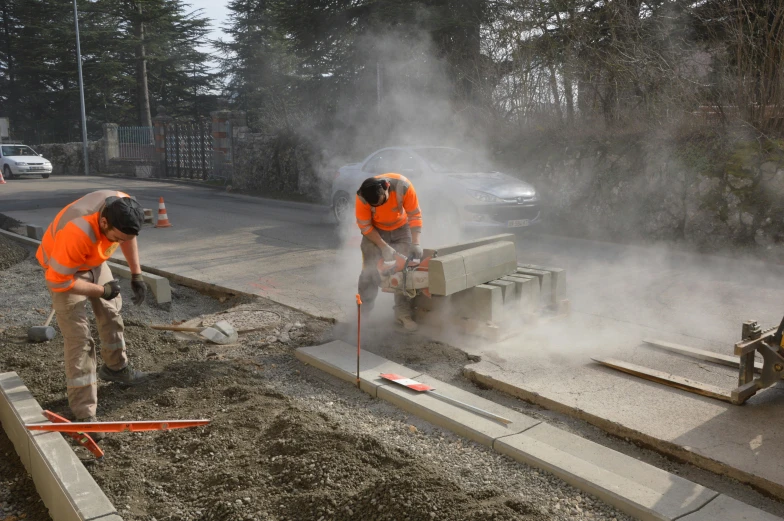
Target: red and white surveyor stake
359, 329
417, 386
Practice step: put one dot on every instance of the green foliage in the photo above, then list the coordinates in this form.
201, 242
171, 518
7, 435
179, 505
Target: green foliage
38, 73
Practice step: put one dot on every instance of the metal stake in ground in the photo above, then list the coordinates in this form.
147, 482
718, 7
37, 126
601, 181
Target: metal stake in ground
420, 387
359, 330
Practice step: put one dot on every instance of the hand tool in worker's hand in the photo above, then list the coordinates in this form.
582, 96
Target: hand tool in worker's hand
359, 331
420, 387
42, 333
219, 333
85, 440
122, 426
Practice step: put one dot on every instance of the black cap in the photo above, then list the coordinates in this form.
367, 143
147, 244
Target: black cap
125, 214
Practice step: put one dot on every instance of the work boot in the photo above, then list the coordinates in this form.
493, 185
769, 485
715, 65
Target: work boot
408, 323
127, 375
96, 436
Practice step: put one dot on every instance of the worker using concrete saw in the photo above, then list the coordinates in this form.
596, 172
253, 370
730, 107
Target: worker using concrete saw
388, 214
73, 254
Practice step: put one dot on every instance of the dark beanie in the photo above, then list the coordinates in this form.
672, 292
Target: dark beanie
125, 214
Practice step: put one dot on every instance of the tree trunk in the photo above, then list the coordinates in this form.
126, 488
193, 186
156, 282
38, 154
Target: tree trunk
142, 91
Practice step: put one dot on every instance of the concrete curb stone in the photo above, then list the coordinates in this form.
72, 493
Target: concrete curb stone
634, 487
66, 488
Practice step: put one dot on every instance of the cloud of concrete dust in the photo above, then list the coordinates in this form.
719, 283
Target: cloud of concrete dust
414, 108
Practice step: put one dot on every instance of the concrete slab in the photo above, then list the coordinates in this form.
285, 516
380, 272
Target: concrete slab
460, 421
447, 274
724, 507
738, 441
489, 262
508, 291
17, 407
637, 488
340, 359
66, 488
161, 289
454, 248
530, 291
482, 302
634, 487
35, 232
545, 283
558, 280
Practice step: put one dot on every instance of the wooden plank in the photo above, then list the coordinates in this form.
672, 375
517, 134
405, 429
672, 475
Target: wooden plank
679, 382
701, 354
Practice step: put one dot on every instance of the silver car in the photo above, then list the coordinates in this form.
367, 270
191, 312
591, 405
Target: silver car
452, 185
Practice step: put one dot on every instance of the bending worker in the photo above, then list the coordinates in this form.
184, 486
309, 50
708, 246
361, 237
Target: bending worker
389, 217
73, 253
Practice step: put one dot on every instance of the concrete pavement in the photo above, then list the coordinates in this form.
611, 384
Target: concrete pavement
292, 254
287, 252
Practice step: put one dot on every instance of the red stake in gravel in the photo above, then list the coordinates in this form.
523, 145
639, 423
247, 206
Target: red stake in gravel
359, 329
420, 387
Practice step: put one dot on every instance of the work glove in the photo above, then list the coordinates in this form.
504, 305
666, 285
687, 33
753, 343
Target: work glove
139, 289
388, 252
416, 251
111, 289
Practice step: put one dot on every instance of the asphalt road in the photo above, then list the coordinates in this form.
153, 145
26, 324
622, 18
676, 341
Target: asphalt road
293, 253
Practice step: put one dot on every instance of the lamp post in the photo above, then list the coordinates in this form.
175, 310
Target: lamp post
81, 91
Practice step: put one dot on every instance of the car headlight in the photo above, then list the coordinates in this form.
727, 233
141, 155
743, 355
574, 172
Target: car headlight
482, 196
20, 163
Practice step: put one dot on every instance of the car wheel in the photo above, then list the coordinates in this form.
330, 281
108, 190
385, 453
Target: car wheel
45, 176
7, 173
341, 207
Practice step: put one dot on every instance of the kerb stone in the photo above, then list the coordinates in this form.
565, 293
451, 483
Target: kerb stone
447, 274
482, 302
489, 262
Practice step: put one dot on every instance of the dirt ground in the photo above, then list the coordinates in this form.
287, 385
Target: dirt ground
286, 442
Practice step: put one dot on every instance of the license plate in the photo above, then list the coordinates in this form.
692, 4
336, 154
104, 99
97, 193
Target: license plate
518, 223
36, 168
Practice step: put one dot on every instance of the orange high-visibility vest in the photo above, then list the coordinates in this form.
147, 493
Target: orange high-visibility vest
74, 242
402, 207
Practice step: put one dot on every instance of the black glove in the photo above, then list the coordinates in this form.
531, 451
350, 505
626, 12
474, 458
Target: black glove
139, 288
111, 289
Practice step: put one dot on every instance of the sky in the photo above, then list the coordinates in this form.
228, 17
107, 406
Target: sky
216, 11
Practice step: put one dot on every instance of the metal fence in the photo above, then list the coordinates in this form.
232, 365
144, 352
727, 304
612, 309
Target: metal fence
136, 143
189, 150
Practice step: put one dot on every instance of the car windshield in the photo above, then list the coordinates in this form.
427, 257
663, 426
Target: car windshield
451, 161
18, 150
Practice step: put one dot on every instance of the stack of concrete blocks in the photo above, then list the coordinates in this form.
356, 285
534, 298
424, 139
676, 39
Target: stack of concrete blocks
481, 284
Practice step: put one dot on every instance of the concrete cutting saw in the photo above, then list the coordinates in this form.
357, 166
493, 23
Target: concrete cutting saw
405, 275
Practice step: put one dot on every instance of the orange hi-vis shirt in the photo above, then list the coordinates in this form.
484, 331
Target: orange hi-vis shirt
401, 207
74, 242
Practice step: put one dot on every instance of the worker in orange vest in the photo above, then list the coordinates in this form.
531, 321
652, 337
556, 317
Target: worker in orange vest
73, 254
388, 214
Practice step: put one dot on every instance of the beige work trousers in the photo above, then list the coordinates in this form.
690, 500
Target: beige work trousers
369, 279
80, 354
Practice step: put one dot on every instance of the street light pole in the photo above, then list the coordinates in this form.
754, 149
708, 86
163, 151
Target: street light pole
81, 91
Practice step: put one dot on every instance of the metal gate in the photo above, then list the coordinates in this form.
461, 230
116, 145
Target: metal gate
136, 143
189, 150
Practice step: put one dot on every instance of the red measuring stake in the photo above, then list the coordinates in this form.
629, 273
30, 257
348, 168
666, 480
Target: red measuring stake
420, 387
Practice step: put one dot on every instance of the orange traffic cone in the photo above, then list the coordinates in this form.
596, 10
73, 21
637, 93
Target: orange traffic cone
2, 180
163, 218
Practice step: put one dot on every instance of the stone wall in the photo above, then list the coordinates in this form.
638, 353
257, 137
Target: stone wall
68, 159
283, 165
653, 191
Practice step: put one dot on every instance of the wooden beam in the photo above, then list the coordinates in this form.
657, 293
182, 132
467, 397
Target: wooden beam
711, 391
701, 354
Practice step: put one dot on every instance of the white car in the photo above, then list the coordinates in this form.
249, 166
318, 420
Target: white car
455, 188
19, 160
